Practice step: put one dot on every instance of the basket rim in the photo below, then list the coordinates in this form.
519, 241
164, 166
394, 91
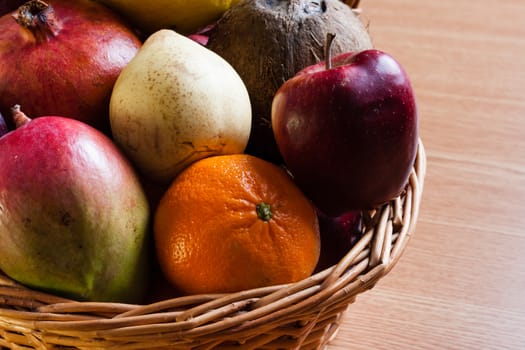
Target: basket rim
321, 297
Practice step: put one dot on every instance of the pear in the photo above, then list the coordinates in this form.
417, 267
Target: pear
177, 102
184, 16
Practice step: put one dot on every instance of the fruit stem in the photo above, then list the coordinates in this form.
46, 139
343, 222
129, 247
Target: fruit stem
328, 50
264, 211
19, 117
39, 19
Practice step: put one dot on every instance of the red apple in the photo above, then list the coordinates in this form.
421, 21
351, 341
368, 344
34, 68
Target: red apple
348, 130
338, 236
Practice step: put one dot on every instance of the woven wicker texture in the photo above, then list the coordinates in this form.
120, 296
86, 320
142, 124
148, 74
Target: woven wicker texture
302, 315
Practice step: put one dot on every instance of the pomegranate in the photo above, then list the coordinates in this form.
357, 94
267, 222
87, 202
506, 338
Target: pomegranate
63, 57
73, 215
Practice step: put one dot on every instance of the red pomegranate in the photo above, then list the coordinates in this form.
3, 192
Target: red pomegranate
62, 57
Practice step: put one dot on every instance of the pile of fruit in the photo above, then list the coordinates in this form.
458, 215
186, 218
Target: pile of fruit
220, 145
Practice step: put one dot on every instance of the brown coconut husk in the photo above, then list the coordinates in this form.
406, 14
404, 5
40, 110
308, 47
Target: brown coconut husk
269, 41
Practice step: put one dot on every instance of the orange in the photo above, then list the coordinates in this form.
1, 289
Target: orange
234, 222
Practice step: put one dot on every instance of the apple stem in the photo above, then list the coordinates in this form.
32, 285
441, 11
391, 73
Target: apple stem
328, 50
39, 19
19, 117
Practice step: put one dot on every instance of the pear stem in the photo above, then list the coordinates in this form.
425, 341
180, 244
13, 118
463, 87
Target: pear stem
328, 50
19, 117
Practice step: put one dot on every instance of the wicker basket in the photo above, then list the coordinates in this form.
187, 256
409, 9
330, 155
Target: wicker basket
302, 315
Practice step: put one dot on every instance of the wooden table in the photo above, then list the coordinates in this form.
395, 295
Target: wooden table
461, 282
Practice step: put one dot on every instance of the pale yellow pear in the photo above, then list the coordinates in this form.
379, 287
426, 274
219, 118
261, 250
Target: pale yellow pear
184, 16
177, 102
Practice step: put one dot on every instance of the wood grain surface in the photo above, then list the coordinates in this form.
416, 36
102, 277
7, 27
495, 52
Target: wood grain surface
461, 282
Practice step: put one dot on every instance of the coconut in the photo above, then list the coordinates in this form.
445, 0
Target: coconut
269, 41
